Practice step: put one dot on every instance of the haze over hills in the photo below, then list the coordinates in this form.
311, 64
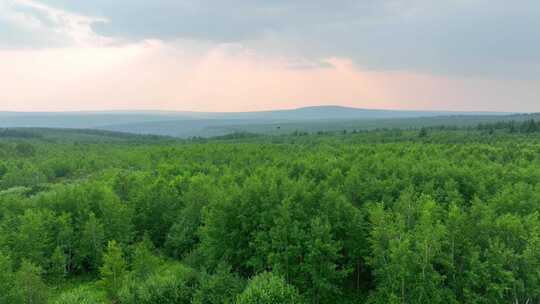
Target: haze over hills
188, 124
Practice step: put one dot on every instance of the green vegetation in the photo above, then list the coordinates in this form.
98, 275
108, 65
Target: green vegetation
431, 215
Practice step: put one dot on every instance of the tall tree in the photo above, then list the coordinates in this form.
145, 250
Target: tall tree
144, 262
29, 286
321, 263
58, 265
113, 271
221, 287
92, 242
6, 279
34, 239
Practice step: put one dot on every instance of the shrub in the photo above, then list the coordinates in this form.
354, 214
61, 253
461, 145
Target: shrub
268, 288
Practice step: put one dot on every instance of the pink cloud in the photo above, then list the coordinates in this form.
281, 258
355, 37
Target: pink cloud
190, 76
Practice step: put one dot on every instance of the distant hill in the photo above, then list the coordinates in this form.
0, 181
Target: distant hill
80, 135
207, 124
339, 112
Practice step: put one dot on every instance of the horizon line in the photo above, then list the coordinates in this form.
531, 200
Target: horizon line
136, 111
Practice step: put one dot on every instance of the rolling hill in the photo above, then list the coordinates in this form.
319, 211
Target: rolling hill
208, 124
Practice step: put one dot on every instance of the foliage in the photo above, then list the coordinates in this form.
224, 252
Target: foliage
267, 288
175, 285
435, 215
80, 296
6, 279
220, 287
58, 265
144, 262
29, 287
113, 271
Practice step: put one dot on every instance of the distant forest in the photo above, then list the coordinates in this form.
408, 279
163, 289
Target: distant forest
187, 125
435, 214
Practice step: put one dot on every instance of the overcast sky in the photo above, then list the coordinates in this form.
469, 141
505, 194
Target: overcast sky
239, 55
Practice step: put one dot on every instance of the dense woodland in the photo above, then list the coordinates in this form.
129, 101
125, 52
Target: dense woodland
435, 215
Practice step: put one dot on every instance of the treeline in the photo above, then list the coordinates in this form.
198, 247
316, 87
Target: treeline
325, 219
528, 126
17, 133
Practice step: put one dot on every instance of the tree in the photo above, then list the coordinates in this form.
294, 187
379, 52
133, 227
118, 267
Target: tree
423, 133
114, 269
25, 174
175, 284
316, 242
126, 184
288, 241
183, 235
58, 265
6, 279
115, 215
530, 126
267, 288
409, 253
24, 149
155, 209
34, 240
91, 243
144, 263
65, 239
3, 169
29, 286
219, 288
321, 263
236, 228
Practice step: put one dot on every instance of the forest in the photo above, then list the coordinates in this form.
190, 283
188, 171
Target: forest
429, 215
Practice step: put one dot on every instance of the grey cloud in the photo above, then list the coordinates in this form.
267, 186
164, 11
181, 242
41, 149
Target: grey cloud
25, 25
497, 38
222, 21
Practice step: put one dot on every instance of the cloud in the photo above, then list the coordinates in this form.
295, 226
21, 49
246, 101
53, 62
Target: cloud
252, 55
29, 23
491, 38
189, 75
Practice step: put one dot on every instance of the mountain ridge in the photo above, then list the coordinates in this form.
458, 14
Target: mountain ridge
304, 108
188, 124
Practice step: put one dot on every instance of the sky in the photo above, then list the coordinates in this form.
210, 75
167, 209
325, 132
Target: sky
248, 55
